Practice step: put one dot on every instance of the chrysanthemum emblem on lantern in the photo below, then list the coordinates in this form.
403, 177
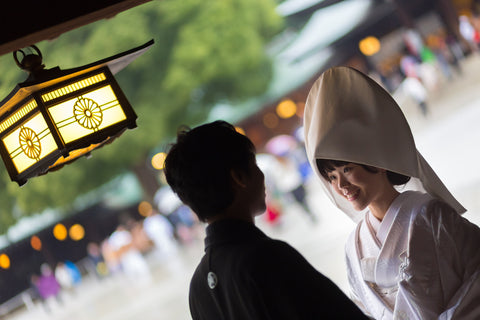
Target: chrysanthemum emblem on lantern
30, 143
88, 113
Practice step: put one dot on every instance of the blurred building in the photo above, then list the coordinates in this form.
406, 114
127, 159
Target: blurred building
322, 34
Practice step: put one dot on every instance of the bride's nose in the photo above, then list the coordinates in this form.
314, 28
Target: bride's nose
342, 182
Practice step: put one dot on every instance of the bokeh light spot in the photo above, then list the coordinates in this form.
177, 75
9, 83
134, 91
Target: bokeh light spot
270, 120
158, 160
60, 232
76, 232
369, 46
145, 208
36, 243
4, 261
286, 109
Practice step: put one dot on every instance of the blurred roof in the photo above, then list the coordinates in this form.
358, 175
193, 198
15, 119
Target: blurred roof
292, 7
26, 22
299, 55
327, 35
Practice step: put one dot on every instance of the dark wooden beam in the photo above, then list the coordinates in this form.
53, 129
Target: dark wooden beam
26, 22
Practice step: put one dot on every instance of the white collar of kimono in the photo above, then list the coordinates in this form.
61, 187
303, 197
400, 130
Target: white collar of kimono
383, 227
349, 117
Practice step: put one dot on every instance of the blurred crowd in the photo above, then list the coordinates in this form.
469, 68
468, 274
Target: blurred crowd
426, 61
131, 252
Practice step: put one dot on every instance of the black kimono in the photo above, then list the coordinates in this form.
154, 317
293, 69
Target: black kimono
247, 275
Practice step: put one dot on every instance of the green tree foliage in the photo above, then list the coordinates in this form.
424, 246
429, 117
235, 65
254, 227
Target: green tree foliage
205, 52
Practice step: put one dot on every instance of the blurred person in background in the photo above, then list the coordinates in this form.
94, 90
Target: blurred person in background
287, 173
48, 288
244, 274
63, 276
412, 85
112, 259
184, 222
273, 197
68, 275
96, 262
289, 182
412, 255
161, 232
132, 262
468, 32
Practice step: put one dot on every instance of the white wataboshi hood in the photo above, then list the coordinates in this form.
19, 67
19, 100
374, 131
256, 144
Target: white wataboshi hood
349, 117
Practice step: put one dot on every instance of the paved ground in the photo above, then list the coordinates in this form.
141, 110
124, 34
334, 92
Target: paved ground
444, 138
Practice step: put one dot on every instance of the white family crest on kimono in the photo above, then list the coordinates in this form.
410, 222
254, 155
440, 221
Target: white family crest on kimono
422, 260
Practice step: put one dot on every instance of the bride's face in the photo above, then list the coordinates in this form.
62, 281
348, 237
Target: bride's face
360, 187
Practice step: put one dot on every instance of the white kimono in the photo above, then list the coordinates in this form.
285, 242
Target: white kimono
422, 261
418, 263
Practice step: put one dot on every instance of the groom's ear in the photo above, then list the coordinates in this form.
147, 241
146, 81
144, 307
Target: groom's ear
238, 178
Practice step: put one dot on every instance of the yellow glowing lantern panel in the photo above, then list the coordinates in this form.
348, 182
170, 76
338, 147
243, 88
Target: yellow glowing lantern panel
88, 113
29, 143
60, 232
74, 154
4, 261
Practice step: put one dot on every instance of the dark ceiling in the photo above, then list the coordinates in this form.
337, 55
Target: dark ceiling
26, 22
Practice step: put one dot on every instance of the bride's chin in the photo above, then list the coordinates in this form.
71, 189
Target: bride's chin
358, 208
